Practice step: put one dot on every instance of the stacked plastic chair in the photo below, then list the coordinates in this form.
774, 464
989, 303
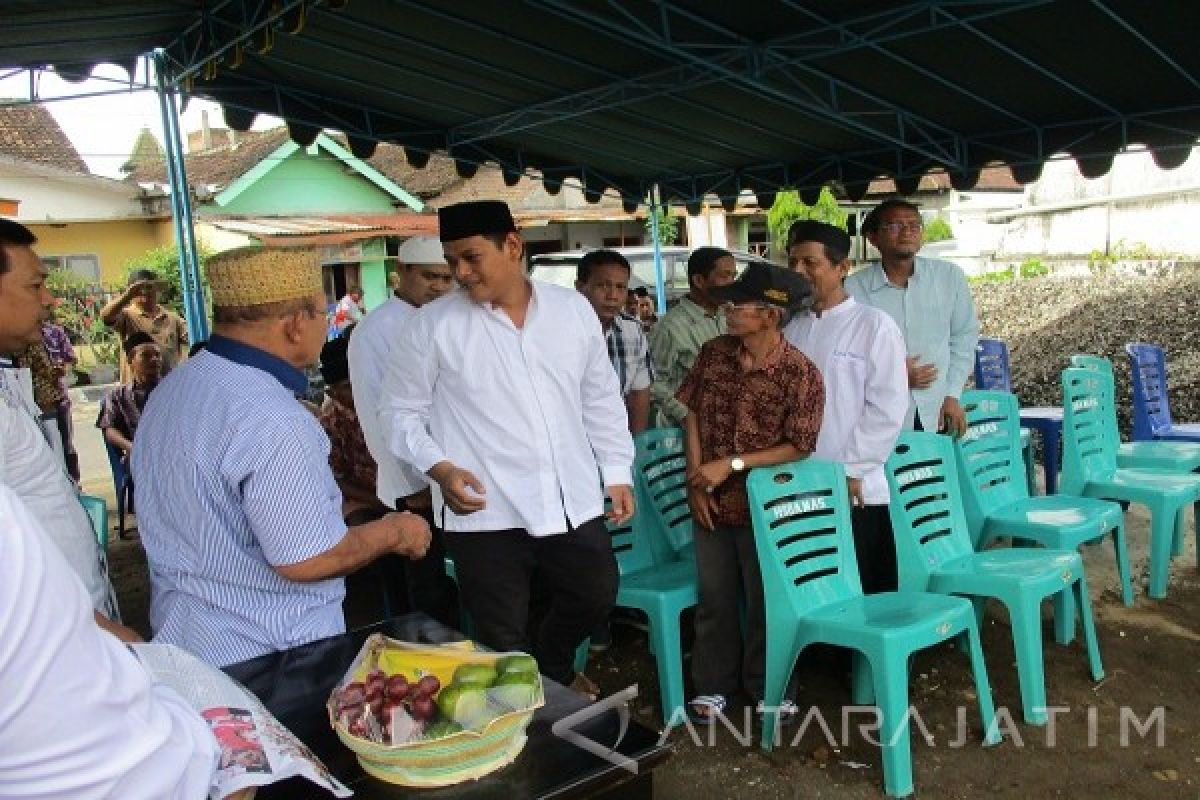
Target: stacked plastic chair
813, 595
1090, 468
934, 553
1151, 408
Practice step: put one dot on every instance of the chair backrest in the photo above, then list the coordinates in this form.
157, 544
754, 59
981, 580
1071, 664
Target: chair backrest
661, 471
926, 507
630, 544
1099, 363
1151, 410
801, 517
991, 365
97, 511
1089, 428
991, 471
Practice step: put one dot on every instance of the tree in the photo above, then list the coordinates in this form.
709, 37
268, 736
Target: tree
164, 262
938, 230
668, 226
788, 208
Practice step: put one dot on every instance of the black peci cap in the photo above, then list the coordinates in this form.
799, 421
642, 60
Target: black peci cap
477, 218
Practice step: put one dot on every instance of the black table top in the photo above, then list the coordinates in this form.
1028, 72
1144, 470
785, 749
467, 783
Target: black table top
295, 684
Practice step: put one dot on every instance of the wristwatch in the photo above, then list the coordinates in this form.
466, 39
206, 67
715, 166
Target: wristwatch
737, 464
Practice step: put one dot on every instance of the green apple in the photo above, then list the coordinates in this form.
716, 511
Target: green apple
515, 691
518, 662
475, 675
466, 705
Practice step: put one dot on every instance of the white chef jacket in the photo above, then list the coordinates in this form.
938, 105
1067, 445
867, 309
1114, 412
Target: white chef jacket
531, 412
860, 352
38, 475
371, 348
81, 717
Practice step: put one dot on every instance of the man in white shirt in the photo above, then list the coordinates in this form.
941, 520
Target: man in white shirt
502, 393
423, 278
860, 352
28, 464
80, 718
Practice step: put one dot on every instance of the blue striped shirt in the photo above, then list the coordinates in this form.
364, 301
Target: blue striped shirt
232, 477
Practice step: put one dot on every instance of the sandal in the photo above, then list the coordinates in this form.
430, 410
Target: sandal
705, 708
786, 714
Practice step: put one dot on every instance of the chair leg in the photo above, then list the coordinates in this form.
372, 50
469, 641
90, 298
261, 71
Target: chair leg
891, 692
983, 689
1027, 641
862, 688
664, 632
1180, 532
1162, 535
1123, 571
1064, 617
781, 660
1084, 603
1030, 469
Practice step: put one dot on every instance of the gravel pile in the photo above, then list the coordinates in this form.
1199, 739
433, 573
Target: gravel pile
1046, 320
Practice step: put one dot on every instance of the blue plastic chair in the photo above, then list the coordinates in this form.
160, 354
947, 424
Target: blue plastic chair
660, 471
1151, 408
1172, 456
992, 373
97, 511
934, 553
811, 586
660, 590
1090, 469
997, 505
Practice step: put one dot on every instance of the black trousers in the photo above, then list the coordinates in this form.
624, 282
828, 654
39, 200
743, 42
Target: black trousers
874, 548
496, 570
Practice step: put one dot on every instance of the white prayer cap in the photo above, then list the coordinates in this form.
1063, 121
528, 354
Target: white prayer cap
421, 250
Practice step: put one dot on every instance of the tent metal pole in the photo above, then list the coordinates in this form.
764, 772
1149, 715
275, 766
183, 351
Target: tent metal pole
660, 286
181, 207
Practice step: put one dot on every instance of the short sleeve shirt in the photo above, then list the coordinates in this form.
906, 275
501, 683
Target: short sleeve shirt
744, 411
164, 326
123, 408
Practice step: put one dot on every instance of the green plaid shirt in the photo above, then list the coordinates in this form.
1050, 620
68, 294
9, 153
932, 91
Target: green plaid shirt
674, 343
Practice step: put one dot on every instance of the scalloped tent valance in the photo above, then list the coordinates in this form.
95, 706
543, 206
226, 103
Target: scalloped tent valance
701, 97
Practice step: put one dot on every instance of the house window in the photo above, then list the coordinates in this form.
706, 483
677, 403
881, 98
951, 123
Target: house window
85, 266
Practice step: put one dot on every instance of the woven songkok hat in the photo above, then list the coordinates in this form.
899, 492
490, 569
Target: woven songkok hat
258, 277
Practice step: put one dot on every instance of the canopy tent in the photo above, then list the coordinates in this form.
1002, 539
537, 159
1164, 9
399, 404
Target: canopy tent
698, 97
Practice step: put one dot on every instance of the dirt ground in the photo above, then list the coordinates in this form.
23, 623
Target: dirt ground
1151, 670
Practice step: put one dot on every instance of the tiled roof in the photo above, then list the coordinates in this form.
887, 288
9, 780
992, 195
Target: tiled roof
991, 179
28, 132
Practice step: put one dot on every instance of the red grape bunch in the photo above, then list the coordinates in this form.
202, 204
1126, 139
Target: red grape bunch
369, 706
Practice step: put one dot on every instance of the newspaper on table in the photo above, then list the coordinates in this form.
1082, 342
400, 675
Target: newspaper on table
256, 750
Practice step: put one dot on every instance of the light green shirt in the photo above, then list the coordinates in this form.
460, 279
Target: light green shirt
937, 317
675, 342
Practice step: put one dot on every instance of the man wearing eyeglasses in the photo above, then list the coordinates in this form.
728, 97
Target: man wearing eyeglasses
931, 302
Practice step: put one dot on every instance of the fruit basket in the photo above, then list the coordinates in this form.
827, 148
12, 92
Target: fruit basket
434, 715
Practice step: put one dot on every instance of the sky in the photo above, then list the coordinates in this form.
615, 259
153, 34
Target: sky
103, 129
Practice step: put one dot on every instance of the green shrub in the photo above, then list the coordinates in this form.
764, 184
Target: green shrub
1033, 268
999, 276
788, 208
938, 230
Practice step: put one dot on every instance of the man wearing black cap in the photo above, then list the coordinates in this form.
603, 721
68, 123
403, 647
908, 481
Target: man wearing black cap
679, 335
136, 310
503, 394
753, 400
860, 352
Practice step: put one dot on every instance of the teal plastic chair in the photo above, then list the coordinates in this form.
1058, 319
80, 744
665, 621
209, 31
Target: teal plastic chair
934, 553
811, 586
662, 590
1172, 456
997, 505
660, 471
468, 627
1090, 469
97, 511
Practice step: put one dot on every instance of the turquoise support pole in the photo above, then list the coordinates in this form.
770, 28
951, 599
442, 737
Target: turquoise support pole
181, 207
660, 284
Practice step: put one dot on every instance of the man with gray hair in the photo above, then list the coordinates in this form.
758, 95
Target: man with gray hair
239, 511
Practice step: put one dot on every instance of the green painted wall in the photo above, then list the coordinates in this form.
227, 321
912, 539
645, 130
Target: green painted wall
305, 183
373, 273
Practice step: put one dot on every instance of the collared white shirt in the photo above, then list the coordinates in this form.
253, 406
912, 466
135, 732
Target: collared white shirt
860, 352
371, 348
232, 479
530, 412
937, 318
82, 718
38, 475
